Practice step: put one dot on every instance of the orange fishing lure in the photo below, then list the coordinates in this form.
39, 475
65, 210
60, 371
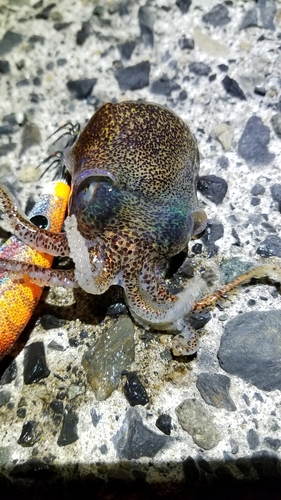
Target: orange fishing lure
18, 299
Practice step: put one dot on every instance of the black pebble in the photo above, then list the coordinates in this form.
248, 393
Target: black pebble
61, 26
199, 319
270, 247
232, 88
258, 189
253, 439
81, 88
255, 201
252, 145
9, 41
218, 16
21, 412
146, 22
276, 195
6, 129
7, 148
223, 67
276, 124
164, 86
35, 367
9, 374
133, 77
4, 67
68, 432
45, 13
5, 397
273, 443
223, 162
213, 187
84, 33
36, 39
186, 43
57, 406
199, 68
126, 49
48, 321
183, 5
214, 231
95, 417
134, 390
163, 423
30, 433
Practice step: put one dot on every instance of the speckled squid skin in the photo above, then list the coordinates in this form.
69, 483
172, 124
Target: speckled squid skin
141, 163
133, 206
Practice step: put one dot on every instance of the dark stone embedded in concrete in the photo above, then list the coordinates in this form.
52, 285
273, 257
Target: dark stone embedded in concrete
199, 423
231, 268
30, 434
232, 88
9, 41
183, 5
31, 136
49, 321
270, 247
234, 446
213, 187
57, 406
186, 43
34, 364
199, 68
273, 443
126, 49
164, 86
146, 22
45, 13
199, 319
214, 389
214, 231
218, 16
133, 77
276, 195
276, 124
261, 16
250, 348
134, 440
257, 190
4, 67
95, 417
81, 89
252, 145
163, 423
134, 390
5, 397
253, 439
223, 162
7, 148
84, 33
34, 469
68, 432
9, 374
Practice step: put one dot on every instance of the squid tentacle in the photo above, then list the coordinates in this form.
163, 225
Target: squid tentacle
40, 239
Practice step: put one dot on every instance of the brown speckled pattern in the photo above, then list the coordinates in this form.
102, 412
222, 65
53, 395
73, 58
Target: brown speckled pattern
134, 170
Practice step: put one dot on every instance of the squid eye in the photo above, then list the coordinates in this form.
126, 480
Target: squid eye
88, 190
40, 221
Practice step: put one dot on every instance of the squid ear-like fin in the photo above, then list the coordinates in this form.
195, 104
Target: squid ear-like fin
200, 221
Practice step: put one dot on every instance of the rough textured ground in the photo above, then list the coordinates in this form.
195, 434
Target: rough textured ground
218, 67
